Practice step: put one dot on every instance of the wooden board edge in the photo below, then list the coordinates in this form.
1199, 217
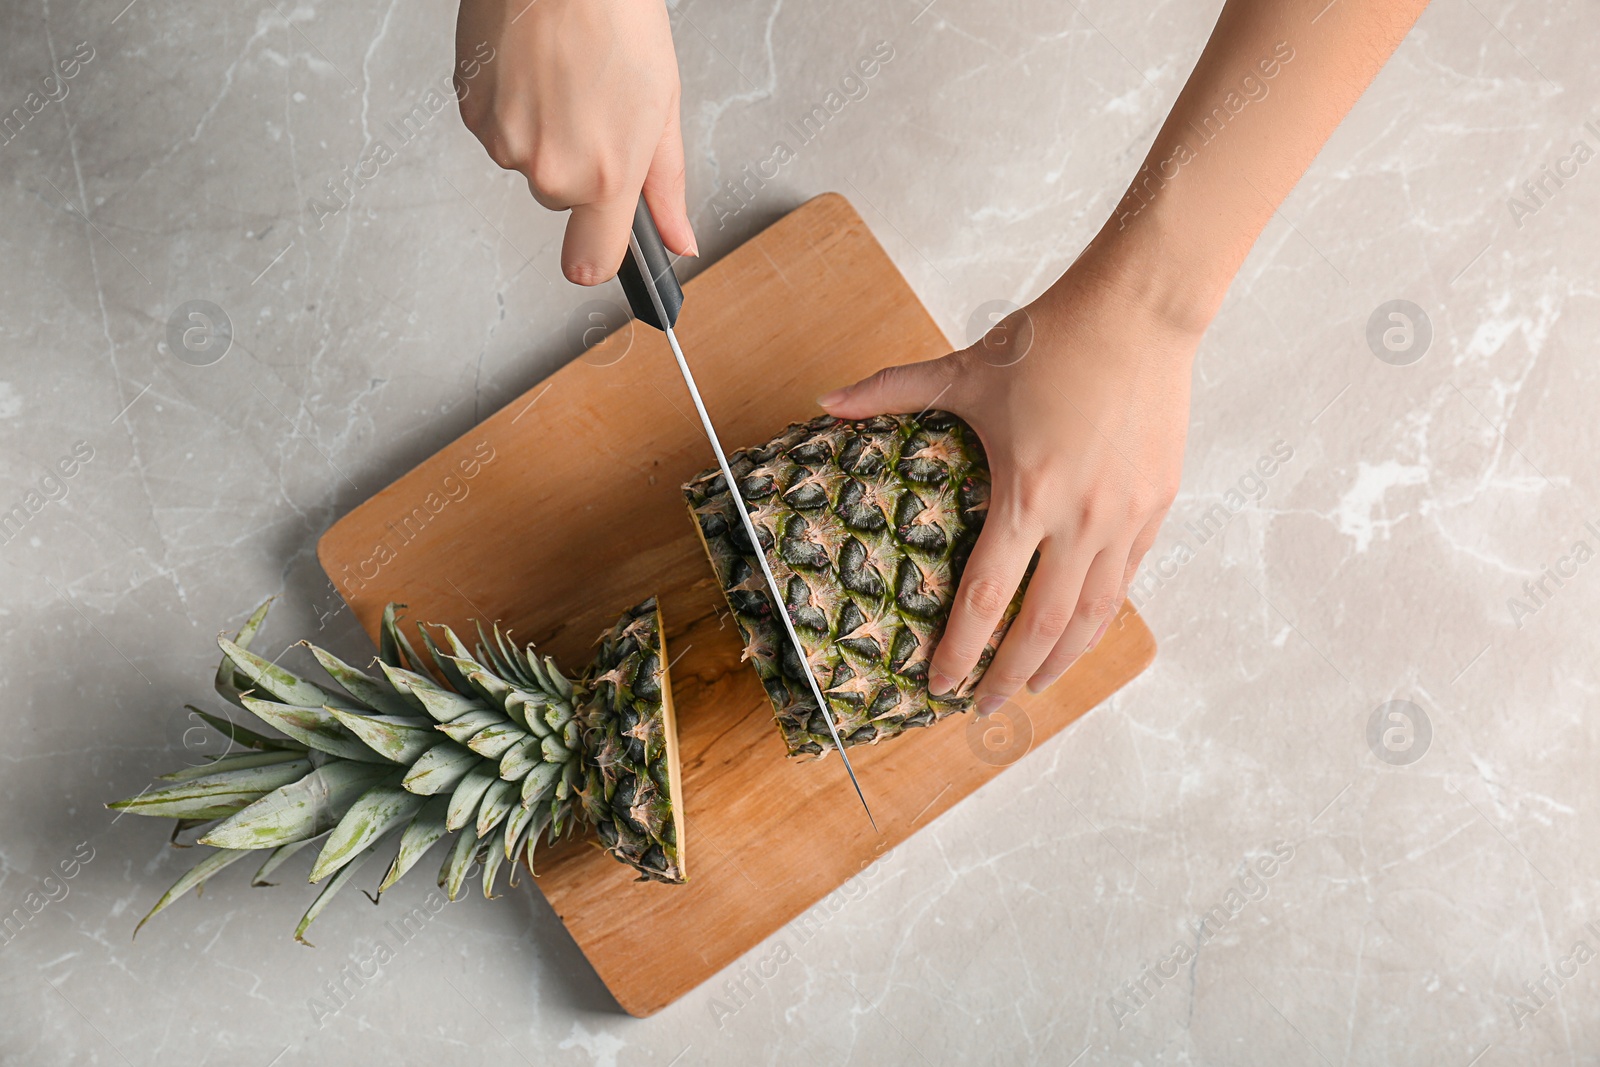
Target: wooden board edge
1140, 645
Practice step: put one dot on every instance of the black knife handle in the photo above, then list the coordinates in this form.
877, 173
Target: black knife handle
660, 264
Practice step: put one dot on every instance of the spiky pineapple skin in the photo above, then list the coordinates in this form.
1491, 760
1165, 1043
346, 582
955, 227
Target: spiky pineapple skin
867, 526
628, 797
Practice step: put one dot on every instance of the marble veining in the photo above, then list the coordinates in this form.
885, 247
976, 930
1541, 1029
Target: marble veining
1243, 858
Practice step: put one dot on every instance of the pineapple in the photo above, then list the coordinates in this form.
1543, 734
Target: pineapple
632, 795
504, 751
867, 526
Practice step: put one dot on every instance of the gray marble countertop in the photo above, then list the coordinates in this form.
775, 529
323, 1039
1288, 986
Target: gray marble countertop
1430, 899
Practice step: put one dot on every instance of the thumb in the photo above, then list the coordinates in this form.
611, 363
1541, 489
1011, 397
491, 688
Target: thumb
892, 391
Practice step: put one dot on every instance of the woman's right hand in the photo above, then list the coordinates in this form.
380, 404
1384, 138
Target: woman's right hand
581, 98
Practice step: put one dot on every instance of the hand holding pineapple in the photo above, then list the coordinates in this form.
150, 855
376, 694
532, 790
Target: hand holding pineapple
1084, 431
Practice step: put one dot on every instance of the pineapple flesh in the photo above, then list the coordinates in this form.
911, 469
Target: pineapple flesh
867, 526
494, 746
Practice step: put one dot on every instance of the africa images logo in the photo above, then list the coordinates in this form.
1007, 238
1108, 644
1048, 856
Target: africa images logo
409, 525
1255, 875
1251, 89
738, 194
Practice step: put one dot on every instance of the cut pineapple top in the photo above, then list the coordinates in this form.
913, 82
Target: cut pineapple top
490, 745
632, 797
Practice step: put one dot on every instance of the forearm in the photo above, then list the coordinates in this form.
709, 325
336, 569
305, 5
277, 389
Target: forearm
1085, 437
1267, 92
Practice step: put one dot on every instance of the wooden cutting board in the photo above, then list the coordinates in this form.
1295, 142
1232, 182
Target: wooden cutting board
563, 509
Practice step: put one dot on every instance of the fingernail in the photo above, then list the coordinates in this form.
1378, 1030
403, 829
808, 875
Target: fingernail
939, 684
827, 400
1098, 634
990, 704
694, 246
1039, 685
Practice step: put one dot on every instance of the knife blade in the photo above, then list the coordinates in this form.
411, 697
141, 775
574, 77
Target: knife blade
656, 298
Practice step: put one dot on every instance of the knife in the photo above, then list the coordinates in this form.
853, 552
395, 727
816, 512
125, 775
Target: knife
656, 298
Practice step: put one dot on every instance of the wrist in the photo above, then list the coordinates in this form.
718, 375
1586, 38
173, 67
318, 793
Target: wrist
1171, 248
1158, 269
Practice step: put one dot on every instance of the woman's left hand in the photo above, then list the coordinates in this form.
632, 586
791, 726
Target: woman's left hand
1082, 403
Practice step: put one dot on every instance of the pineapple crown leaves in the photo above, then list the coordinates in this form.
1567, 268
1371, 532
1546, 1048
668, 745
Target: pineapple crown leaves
484, 744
